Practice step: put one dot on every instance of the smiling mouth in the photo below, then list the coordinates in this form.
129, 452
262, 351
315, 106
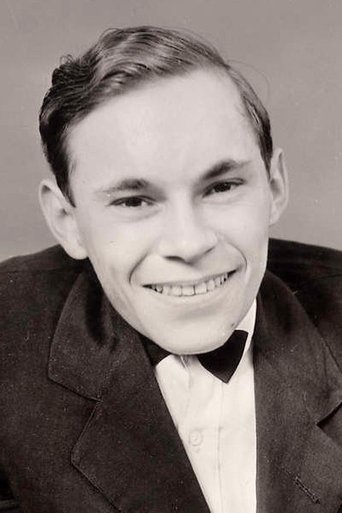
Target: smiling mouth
188, 289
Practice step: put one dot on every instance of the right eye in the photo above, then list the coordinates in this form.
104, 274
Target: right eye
132, 202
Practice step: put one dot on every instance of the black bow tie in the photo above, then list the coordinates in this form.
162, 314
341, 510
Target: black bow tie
222, 362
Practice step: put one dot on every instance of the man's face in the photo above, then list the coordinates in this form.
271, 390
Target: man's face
173, 207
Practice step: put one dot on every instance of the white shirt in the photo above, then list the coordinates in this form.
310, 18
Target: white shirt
216, 423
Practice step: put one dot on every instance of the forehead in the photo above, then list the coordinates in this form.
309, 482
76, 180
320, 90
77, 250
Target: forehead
184, 122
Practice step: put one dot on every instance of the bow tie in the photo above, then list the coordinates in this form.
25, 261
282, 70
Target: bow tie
222, 362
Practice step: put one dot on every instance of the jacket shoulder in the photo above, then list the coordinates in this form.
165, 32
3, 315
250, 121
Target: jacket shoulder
25, 279
299, 265
50, 259
33, 290
314, 274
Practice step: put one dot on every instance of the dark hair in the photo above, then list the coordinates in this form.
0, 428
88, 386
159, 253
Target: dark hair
119, 61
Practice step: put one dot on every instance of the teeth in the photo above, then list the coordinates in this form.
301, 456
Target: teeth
201, 288
210, 285
166, 290
176, 290
190, 290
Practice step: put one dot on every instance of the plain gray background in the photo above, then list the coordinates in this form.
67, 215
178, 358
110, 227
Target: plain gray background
289, 49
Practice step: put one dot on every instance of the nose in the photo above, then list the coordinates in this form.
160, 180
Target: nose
185, 235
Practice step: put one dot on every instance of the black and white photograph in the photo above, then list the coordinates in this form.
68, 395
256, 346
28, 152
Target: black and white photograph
171, 256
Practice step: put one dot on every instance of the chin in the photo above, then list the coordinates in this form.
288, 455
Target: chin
193, 339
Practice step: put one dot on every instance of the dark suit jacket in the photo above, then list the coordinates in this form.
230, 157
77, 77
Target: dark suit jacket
84, 427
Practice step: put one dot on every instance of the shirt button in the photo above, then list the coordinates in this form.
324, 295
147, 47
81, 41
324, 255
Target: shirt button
195, 438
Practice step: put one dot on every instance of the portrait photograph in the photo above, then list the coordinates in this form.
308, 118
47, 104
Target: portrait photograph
171, 256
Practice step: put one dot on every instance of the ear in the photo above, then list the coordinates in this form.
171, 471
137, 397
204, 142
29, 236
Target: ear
278, 181
60, 217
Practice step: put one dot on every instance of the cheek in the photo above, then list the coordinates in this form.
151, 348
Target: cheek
246, 222
246, 227
117, 253
253, 236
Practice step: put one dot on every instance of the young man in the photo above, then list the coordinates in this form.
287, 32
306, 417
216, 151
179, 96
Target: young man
160, 369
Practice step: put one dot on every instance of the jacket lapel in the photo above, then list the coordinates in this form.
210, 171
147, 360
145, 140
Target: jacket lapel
129, 449
298, 387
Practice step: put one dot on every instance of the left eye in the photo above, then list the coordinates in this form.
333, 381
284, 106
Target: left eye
222, 187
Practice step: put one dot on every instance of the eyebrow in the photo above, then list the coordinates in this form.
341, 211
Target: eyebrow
223, 167
139, 184
127, 184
